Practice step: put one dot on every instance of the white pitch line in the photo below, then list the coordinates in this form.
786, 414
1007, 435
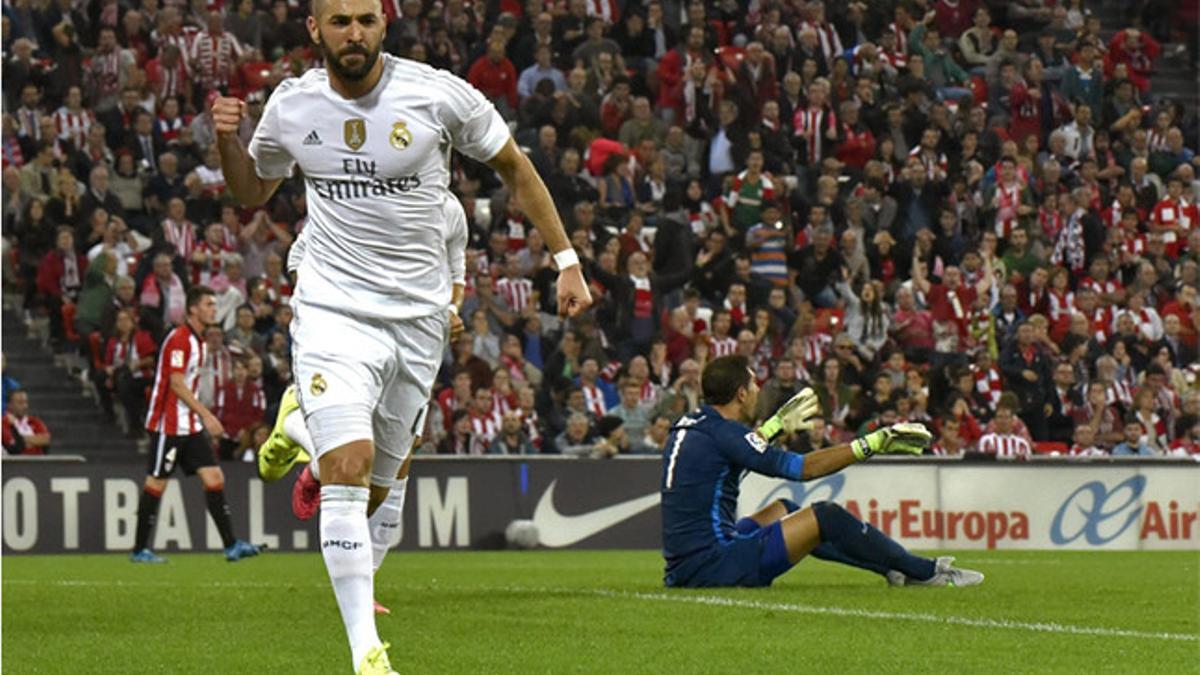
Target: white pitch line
707, 600
984, 561
1038, 627
156, 584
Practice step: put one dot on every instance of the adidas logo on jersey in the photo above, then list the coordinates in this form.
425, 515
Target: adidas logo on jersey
312, 138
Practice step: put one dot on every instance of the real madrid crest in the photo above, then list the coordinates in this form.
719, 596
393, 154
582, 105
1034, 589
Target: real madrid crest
354, 132
401, 137
317, 385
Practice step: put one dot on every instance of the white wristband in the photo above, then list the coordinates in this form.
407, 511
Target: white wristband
453, 308
566, 258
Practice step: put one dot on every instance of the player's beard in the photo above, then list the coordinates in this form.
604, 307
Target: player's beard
344, 72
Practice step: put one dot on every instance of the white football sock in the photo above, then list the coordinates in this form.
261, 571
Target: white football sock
386, 522
345, 537
297, 430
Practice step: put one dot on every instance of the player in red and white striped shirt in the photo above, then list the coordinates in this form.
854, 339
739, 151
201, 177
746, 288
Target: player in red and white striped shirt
167, 74
827, 35
172, 31
485, 421
721, 343
181, 429
214, 54
72, 119
1002, 442
948, 443
516, 290
814, 124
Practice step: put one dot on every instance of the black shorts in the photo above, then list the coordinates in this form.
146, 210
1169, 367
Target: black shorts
189, 452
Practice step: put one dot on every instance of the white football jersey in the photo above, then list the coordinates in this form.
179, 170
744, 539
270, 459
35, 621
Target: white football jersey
380, 212
457, 235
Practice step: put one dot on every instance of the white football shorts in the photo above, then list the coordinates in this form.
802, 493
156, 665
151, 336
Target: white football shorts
365, 379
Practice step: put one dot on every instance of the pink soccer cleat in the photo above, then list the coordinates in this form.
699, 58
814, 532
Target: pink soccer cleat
380, 609
306, 495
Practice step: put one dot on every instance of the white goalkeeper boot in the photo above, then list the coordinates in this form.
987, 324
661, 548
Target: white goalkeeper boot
946, 574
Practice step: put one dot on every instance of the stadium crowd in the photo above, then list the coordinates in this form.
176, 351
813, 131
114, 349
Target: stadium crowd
973, 214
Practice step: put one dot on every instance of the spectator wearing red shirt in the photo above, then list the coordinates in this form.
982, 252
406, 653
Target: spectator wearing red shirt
24, 434
954, 16
1025, 98
912, 327
167, 75
128, 365
855, 142
950, 304
1174, 216
1184, 306
60, 278
455, 397
1189, 442
949, 443
1137, 50
240, 406
756, 81
496, 76
616, 108
673, 67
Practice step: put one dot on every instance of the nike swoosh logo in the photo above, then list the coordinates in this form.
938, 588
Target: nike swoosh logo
556, 530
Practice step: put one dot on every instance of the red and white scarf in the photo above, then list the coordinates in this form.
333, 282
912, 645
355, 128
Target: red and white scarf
1061, 303
593, 399
1118, 393
182, 235
816, 348
1009, 198
988, 384
73, 126
1051, 222
643, 298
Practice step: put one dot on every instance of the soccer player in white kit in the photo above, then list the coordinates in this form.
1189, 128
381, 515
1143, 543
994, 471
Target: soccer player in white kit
372, 135
282, 449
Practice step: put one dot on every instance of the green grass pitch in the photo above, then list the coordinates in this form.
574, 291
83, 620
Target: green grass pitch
602, 612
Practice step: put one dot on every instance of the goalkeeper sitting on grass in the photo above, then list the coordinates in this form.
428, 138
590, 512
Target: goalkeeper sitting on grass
704, 460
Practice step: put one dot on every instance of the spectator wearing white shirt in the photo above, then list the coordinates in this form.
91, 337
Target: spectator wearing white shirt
1078, 133
122, 243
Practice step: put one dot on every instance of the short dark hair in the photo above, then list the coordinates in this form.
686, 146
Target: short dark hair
197, 293
1008, 401
722, 378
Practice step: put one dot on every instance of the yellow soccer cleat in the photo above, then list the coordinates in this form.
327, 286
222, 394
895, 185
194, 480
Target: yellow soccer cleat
376, 662
280, 453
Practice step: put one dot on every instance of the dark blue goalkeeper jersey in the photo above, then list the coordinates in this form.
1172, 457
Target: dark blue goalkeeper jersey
704, 460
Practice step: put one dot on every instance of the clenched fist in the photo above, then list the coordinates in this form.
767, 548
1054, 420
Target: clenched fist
227, 114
